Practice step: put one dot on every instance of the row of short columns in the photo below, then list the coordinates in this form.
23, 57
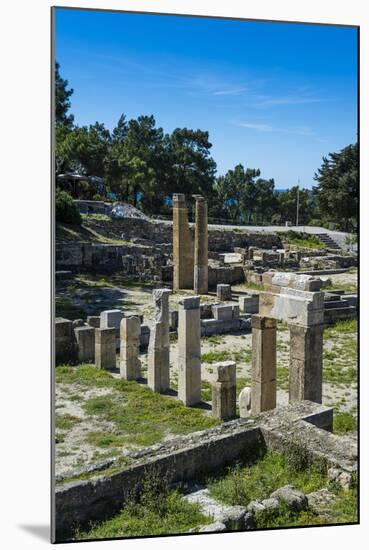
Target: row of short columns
305, 377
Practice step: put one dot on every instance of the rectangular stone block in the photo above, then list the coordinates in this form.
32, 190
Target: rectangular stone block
111, 318
222, 313
224, 292
85, 339
224, 400
225, 371
249, 304
65, 348
105, 354
291, 308
93, 321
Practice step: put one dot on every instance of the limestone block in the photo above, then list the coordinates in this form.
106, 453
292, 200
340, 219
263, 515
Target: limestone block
225, 371
306, 363
93, 321
224, 292
130, 332
291, 307
111, 318
158, 366
222, 313
85, 339
299, 282
295, 499
189, 351
105, 355
263, 371
65, 349
224, 400
244, 402
249, 303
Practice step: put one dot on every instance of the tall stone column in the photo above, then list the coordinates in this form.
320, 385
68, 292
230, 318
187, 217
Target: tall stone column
201, 246
105, 355
182, 245
306, 363
264, 370
158, 367
189, 353
130, 364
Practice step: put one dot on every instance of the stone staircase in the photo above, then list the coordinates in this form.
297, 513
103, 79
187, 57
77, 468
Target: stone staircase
328, 241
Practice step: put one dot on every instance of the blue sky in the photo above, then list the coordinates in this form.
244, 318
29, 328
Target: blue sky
274, 96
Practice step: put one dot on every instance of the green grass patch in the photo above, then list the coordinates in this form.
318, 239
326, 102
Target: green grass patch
300, 239
206, 391
257, 480
252, 286
347, 287
216, 356
343, 423
104, 440
241, 356
66, 421
282, 378
140, 416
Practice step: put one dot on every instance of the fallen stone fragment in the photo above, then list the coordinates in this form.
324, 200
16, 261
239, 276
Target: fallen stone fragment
295, 499
216, 527
321, 501
341, 477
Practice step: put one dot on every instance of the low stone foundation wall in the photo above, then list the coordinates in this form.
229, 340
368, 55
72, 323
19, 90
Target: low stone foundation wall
78, 503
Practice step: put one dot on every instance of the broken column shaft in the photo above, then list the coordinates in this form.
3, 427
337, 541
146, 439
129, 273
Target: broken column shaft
263, 373
158, 367
306, 363
130, 364
189, 353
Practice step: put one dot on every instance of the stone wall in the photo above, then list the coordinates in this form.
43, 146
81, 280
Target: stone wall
80, 502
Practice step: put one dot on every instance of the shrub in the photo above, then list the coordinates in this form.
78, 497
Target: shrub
65, 209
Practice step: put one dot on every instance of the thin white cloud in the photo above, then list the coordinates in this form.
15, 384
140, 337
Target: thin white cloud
268, 101
231, 91
262, 127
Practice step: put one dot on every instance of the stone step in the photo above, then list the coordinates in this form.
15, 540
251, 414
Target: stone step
335, 304
339, 314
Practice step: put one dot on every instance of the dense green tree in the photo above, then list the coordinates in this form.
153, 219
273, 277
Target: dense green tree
191, 169
84, 150
287, 206
62, 101
337, 189
243, 196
